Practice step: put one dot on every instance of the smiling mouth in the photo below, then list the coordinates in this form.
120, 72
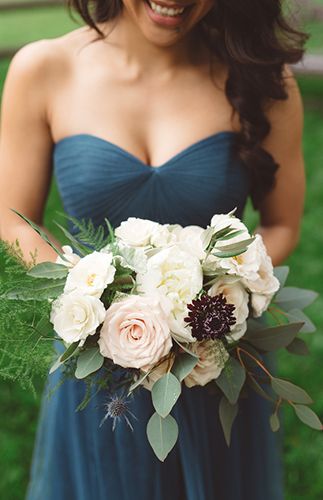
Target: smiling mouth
174, 10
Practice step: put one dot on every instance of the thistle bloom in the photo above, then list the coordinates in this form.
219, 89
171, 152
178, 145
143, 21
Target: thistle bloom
117, 408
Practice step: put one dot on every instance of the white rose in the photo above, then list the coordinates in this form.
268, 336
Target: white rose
235, 293
176, 276
75, 316
92, 274
136, 232
220, 221
135, 333
215, 265
264, 284
212, 358
190, 240
71, 258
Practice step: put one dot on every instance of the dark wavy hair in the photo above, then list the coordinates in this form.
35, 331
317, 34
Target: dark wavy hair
255, 40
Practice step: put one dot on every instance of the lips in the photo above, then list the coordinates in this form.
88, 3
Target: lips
165, 13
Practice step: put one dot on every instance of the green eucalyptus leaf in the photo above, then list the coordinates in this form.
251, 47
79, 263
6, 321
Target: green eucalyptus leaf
162, 434
274, 422
89, 361
298, 315
183, 365
273, 338
298, 347
40, 289
71, 351
165, 392
290, 392
227, 413
231, 380
281, 273
254, 384
308, 416
48, 270
289, 298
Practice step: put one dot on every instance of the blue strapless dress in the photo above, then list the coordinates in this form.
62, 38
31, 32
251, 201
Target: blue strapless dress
74, 458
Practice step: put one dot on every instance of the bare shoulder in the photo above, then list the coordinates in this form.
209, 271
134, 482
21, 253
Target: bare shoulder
44, 58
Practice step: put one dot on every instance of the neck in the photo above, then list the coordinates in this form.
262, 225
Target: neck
145, 57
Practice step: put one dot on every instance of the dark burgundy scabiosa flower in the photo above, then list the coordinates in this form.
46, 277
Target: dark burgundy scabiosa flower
210, 317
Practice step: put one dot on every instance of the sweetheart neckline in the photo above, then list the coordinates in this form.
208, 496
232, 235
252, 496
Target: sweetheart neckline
187, 149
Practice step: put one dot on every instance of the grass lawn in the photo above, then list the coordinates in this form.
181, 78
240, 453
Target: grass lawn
303, 447
26, 25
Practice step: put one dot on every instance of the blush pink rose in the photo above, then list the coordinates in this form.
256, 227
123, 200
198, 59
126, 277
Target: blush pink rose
135, 333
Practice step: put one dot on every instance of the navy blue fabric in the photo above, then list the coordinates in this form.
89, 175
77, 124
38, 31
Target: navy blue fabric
74, 458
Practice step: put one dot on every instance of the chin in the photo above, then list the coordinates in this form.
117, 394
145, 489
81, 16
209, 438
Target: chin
165, 22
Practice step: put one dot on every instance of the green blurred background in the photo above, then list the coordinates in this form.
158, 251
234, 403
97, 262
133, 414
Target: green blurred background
303, 447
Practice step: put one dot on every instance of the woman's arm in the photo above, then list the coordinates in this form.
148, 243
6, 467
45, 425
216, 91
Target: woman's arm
25, 147
282, 210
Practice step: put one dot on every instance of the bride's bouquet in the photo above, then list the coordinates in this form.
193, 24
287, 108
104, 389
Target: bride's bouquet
157, 307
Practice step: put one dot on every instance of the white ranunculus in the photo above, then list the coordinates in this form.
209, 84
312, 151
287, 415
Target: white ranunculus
235, 293
212, 358
190, 240
136, 232
71, 258
92, 274
176, 277
76, 316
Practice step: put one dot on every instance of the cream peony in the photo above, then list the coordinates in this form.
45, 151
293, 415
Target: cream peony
71, 258
91, 274
212, 358
135, 333
75, 316
190, 240
175, 276
235, 293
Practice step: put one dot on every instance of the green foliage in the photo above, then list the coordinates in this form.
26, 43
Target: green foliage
231, 380
165, 393
25, 350
162, 434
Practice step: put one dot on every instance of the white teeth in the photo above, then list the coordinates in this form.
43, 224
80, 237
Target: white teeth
165, 11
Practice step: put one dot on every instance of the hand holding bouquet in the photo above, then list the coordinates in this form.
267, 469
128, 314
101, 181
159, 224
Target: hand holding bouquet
158, 306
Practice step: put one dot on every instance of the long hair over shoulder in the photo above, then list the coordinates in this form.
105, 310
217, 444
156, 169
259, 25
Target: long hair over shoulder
254, 39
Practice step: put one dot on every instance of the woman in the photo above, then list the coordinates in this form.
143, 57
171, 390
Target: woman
171, 111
